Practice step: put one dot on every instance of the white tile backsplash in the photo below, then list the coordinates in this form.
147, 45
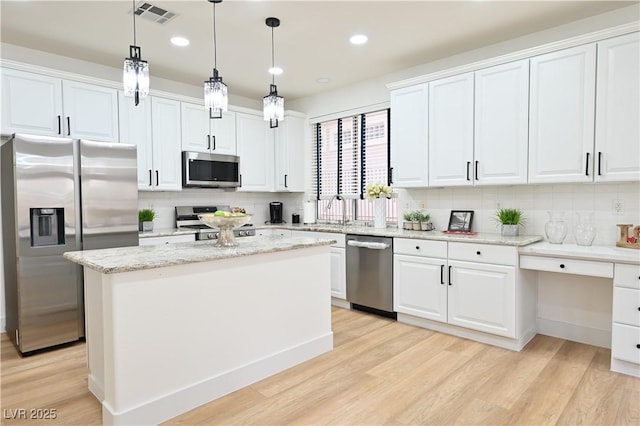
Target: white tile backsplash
535, 201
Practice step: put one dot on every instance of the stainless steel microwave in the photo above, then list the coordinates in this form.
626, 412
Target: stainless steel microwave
202, 170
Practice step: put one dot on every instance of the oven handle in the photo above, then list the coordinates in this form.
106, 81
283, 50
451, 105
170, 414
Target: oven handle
368, 245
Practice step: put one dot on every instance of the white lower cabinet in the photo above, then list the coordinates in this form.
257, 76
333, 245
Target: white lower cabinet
463, 289
338, 273
168, 239
625, 332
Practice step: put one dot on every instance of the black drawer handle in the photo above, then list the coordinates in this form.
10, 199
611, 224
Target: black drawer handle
478, 252
417, 247
639, 308
562, 266
442, 274
638, 346
449, 274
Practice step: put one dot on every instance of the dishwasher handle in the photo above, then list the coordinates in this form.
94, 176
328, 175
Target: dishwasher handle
368, 245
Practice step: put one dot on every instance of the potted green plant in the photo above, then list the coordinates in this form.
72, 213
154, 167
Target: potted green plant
145, 219
423, 219
510, 221
408, 220
416, 215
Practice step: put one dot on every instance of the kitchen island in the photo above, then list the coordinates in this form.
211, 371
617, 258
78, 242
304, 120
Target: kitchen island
172, 327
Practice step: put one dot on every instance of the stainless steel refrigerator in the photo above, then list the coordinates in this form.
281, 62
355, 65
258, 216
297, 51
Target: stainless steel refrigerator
59, 195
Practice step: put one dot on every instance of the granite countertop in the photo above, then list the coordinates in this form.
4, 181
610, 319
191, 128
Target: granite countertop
167, 232
574, 251
481, 238
127, 259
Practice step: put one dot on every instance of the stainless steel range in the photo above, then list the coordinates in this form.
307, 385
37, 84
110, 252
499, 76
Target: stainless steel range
187, 217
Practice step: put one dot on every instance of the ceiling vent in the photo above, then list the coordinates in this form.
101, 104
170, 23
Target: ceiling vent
154, 13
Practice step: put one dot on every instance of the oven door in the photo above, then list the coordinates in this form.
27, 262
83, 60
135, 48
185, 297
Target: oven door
210, 170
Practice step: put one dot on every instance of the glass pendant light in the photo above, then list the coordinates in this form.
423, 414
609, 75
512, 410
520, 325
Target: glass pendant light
135, 76
216, 99
273, 105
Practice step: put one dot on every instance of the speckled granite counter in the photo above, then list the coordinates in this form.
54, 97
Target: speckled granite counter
166, 232
482, 238
574, 251
126, 259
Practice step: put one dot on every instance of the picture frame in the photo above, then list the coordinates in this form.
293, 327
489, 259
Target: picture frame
460, 221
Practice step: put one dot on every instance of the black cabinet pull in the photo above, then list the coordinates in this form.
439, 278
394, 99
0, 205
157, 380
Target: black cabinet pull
468, 164
449, 274
59, 125
150, 181
214, 142
240, 179
476, 171
417, 247
208, 141
68, 126
599, 163
390, 175
638, 346
639, 308
586, 172
285, 181
478, 252
562, 266
157, 178
442, 274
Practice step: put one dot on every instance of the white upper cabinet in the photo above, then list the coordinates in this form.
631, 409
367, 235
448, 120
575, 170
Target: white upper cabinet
165, 121
135, 129
38, 104
409, 136
289, 154
561, 124
451, 131
255, 149
501, 124
202, 134
31, 103
617, 143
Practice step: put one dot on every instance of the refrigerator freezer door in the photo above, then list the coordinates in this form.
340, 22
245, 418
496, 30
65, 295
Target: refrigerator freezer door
109, 194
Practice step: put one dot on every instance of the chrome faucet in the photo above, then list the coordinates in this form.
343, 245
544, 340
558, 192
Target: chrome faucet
335, 197
344, 210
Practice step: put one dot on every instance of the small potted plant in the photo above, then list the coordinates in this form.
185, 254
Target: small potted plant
408, 220
417, 217
145, 219
424, 218
510, 221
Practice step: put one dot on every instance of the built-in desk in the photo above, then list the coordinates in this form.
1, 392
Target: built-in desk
620, 265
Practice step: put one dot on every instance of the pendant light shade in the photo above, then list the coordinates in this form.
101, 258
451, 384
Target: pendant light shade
216, 98
135, 76
272, 104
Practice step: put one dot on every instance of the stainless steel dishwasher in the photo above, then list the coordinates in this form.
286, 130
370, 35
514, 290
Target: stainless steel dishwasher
370, 274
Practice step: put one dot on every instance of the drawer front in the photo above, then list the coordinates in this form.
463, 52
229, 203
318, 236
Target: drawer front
567, 266
626, 306
627, 276
483, 253
625, 343
423, 248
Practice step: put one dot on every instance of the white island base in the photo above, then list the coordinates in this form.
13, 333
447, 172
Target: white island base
163, 341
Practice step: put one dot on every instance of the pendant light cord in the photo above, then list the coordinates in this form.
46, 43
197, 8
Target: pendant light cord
134, 22
273, 63
215, 55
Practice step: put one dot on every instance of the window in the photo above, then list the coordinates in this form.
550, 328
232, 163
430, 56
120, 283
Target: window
348, 153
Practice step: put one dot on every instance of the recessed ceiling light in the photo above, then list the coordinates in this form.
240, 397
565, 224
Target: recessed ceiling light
358, 39
323, 80
275, 70
179, 41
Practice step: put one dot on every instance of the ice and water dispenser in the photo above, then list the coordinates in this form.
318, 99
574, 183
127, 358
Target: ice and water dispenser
47, 226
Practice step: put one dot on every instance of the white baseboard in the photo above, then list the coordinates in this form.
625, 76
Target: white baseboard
340, 303
625, 367
574, 332
169, 406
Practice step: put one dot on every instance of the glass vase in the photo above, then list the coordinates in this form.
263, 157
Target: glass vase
556, 228
584, 229
380, 213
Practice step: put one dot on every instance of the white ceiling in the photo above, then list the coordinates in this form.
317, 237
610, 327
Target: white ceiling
311, 42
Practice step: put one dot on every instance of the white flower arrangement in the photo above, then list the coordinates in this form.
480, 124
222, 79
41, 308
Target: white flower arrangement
378, 190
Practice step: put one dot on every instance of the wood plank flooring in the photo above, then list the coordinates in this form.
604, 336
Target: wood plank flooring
380, 372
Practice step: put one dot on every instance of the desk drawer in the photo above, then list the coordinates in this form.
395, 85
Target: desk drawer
421, 248
627, 276
567, 266
625, 343
483, 253
626, 306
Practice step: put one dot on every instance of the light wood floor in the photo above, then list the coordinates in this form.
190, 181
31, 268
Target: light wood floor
380, 372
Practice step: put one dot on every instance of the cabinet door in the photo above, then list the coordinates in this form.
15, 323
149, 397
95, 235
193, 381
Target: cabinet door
409, 137
255, 148
90, 112
501, 124
195, 128
617, 152
451, 131
419, 287
338, 273
482, 297
165, 119
31, 103
289, 155
223, 134
562, 91
135, 129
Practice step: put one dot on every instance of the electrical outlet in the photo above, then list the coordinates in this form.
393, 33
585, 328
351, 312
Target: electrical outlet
618, 207
422, 204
